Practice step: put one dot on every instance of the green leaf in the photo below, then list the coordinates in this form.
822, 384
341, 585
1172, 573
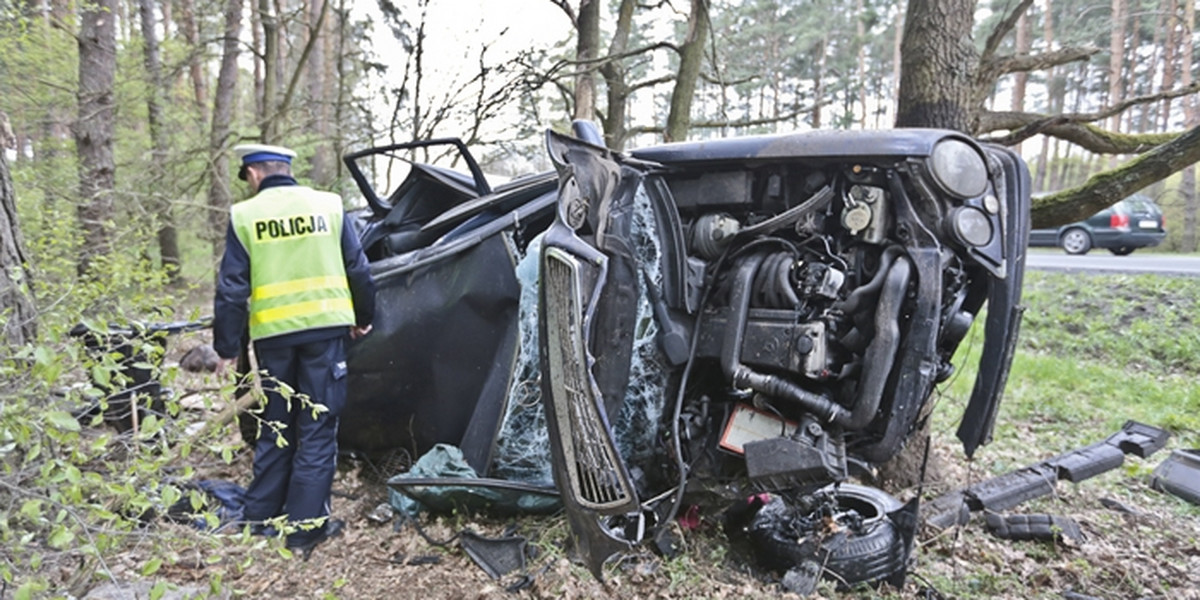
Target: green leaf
32, 509
151, 567
158, 590
61, 538
62, 420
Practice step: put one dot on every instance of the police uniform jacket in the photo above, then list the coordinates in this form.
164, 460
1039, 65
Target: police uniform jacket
236, 284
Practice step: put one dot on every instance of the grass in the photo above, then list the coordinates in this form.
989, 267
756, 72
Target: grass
1093, 352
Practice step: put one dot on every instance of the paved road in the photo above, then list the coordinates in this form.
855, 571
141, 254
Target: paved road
1101, 261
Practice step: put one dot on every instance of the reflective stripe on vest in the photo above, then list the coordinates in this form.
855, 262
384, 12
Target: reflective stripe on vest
297, 275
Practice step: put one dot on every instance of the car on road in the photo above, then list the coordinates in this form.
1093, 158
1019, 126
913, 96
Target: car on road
1135, 222
690, 324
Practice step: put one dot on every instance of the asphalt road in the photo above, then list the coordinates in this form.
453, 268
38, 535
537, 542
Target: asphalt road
1101, 261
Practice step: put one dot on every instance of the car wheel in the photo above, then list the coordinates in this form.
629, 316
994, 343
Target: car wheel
867, 547
1122, 251
1076, 241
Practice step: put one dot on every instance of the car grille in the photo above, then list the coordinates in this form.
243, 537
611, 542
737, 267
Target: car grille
597, 478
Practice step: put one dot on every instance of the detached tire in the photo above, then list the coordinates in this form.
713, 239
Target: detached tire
871, 552
1122, 251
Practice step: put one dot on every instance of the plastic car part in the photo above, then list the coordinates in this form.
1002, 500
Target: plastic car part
1006, 491
496, 556
1033, 527
1179, 475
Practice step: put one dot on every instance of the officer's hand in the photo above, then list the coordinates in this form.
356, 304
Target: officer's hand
357, 332
225, 364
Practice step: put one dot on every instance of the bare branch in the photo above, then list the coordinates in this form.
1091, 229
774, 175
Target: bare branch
1002, 29
566, 8
1023, 63
1080, 133
1070, 126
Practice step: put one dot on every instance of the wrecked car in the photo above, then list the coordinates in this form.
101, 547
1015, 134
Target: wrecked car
744, 322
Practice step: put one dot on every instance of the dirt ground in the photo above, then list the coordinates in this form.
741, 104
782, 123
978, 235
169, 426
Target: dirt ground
1151, 552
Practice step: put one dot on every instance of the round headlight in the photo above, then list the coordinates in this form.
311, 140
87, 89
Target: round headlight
972, 226
958, 168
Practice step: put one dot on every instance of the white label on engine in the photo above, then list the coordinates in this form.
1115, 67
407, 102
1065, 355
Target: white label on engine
748, 424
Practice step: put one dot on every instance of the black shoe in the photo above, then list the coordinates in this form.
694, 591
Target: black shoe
333, 528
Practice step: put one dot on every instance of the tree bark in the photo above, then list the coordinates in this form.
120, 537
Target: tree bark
219, 197
16, 302
587, 49
938, 62
94, 128
614, 74
191, 34
168, 238
1187, 184
691, 55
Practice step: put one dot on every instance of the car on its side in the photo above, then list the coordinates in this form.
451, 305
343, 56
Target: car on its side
691, 324
1135, 222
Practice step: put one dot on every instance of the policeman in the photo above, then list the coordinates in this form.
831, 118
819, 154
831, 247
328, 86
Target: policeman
294, 271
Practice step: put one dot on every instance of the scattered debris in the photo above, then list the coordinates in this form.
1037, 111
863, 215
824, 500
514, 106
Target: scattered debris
381, 514
496, 556
1179, 475
1034, 527
1006, 491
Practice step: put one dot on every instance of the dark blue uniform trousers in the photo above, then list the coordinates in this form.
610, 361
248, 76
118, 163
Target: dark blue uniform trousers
295, 478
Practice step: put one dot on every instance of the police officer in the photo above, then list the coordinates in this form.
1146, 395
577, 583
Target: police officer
293, 270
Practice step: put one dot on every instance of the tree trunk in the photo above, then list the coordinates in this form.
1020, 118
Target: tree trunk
691, 55
16, 303
191, 34
587, 50
613, 70
1188, 181
938, 62
94, 128
219, 198
168, 238
268, 118
321, 172
1022, 78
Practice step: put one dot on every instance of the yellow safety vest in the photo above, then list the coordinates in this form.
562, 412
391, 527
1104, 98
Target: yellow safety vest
297, 277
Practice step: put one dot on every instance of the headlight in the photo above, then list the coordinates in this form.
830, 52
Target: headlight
971, 226
958, 168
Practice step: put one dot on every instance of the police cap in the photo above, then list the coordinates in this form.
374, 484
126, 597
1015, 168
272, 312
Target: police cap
256, 153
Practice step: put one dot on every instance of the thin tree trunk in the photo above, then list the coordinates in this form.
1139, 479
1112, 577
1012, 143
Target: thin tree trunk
614, 78
219, 198
191, 34
268, 118
1053, 79
1116, 63
321, 172
16, 302
587, 50
691, 55
168, 239
94, 128
1187, 183
1020, 79
1170, 46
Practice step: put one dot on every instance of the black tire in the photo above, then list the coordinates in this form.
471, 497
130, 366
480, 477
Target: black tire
871, 553
1123, 250
1075, 240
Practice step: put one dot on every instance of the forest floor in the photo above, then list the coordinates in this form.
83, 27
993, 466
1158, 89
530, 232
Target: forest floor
1138, 542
